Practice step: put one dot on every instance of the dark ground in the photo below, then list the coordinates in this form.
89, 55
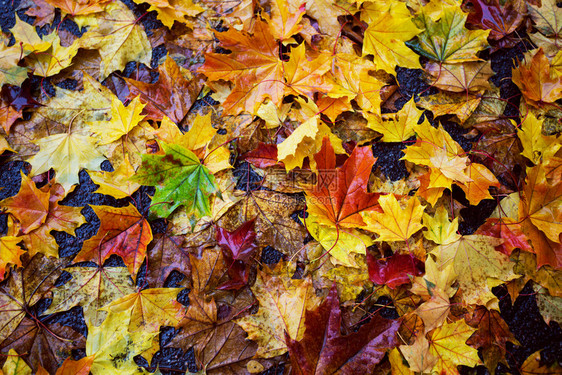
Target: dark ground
522, 317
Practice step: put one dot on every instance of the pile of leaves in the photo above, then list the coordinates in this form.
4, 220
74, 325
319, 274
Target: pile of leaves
274, 238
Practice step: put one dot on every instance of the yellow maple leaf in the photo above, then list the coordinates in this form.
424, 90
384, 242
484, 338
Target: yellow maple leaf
440, 229
390, 25
283, 302
118, 37
536, 146
435, 278
340, 243
306, 141
54, 59
118, 183
418, 355
478, 265
123, 120
448, 344
66, 153
304, 76
395, 223
400, 126
169, 11
26, 35
112, 339
10, 253
148, 309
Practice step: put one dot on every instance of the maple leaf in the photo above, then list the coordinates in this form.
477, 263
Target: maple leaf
123, 120
304, 76
304, 141
30, 41
286, 17
181, 180
30, 206
350, 79
272, 211
492, 335
112, 339
480, 181
253, 65
393, 271
447, 345
169, 11
10, 72
283, 303
465, 77
435, 311
394, 223
45, 344
165, 255
149, 309
502, 19
539, 213
340, 195
237, 248
398, 127
123, 231
118, 183
477, 264
390, 25
54, 59
536, 146
447, 40
21, 328
10, 253
25, 288
536, 80
81, 7
547, 19
335, 203
43, 12
60, 218
323, 350
66, 153
439, 229
91, 288
118, 38
166, 97
418, 355
219, 343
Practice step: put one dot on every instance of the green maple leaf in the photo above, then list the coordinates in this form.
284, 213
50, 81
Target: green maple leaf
180, 180
447, 40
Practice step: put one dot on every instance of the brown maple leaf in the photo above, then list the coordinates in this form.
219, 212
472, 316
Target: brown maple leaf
323, 350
